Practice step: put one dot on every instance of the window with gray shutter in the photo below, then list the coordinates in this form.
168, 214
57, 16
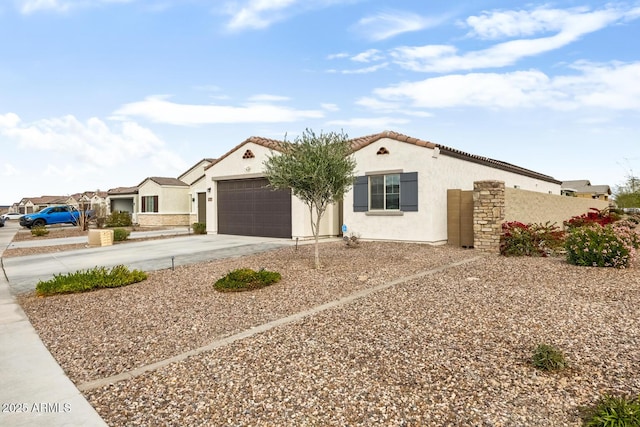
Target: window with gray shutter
361, 194
393, 192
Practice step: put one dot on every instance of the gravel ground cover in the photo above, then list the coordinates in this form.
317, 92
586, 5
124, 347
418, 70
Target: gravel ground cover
450, 348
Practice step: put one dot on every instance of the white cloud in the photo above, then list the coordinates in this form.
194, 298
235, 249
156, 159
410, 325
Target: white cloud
518, 23
337, 56
268, 98
366, 70
158, 109
570, 25
92, 143
604, 86
368, 56
9, 170
257, 14
369, 122
385, 25
330, 107
33, 6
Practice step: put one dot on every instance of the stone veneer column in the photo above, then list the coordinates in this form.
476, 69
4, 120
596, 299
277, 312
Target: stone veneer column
488, 215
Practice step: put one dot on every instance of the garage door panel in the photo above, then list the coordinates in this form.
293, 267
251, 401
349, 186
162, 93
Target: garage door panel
250, 208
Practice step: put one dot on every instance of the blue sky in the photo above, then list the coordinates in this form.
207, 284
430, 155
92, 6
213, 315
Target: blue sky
96, 94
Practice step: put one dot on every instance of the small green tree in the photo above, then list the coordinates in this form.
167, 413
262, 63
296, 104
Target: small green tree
317, 168
627, 195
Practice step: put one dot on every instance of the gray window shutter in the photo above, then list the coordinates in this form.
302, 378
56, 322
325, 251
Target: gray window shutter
361, 194
409, 192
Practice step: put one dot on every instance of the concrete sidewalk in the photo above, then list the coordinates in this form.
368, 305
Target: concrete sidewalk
34, 390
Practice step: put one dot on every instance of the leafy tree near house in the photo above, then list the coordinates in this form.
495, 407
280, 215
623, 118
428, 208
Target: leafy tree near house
318, 169
627, 195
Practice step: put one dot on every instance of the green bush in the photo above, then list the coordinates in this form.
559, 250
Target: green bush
86, 280
199, 228
245, 279
518, 239
120, 234
548, 358
601, 246
613, 411
119, 219
39, 231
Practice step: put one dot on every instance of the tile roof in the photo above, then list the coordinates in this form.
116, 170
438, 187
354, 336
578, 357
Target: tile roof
161, 180
123, 190
272, 144
358, 143
363, 141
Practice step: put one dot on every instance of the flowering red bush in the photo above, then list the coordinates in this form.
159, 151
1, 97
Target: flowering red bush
519, 239
594, 216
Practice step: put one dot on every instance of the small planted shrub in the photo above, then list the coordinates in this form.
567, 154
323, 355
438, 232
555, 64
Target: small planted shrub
120, 234
548, 358
245, 279
87, 280
602, 246
612, 411
118, 219
518, 239
352, 240
199, 228
39, 231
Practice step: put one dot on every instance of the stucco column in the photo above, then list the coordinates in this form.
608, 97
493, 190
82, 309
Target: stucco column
488, 215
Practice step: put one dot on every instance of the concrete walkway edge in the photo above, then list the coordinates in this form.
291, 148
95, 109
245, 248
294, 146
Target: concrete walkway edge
34, 390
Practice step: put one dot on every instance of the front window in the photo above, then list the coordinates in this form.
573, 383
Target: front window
150, 204
384, 192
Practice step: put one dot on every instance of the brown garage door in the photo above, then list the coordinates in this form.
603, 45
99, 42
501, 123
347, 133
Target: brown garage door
247, 207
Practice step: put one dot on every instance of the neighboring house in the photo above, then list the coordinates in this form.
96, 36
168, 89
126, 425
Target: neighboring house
123, 199
240, 202
583, 188
195, 177
400, 192
33, 204
163, 201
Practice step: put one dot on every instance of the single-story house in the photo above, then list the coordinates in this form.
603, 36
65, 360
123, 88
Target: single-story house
400, 192
163, 201
195, 177
123, 199
401, 187
240, 202
583, 188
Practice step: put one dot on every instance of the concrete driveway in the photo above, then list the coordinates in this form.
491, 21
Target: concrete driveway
24, 272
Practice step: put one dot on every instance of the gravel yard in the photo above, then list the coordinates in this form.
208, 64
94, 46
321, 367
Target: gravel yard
449, 348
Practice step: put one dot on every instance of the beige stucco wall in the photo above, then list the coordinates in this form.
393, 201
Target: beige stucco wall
436, 174
171, 199
531, 207
235, 167
190, 176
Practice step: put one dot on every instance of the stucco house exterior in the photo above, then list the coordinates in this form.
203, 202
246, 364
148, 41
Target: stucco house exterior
401, 186
195, 177
400, 192
123, 199
240, 202
163, 201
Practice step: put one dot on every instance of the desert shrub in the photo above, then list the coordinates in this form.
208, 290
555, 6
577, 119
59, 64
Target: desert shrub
245, 279
199, 228
614, 411
518, 239
548, 358
594, 216
39, 231
352, 240
86, 280
602, 246
118, 219
120, 234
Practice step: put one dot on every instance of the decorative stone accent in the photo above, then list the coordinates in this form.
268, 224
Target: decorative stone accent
488, 215
382, 150
248, 155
